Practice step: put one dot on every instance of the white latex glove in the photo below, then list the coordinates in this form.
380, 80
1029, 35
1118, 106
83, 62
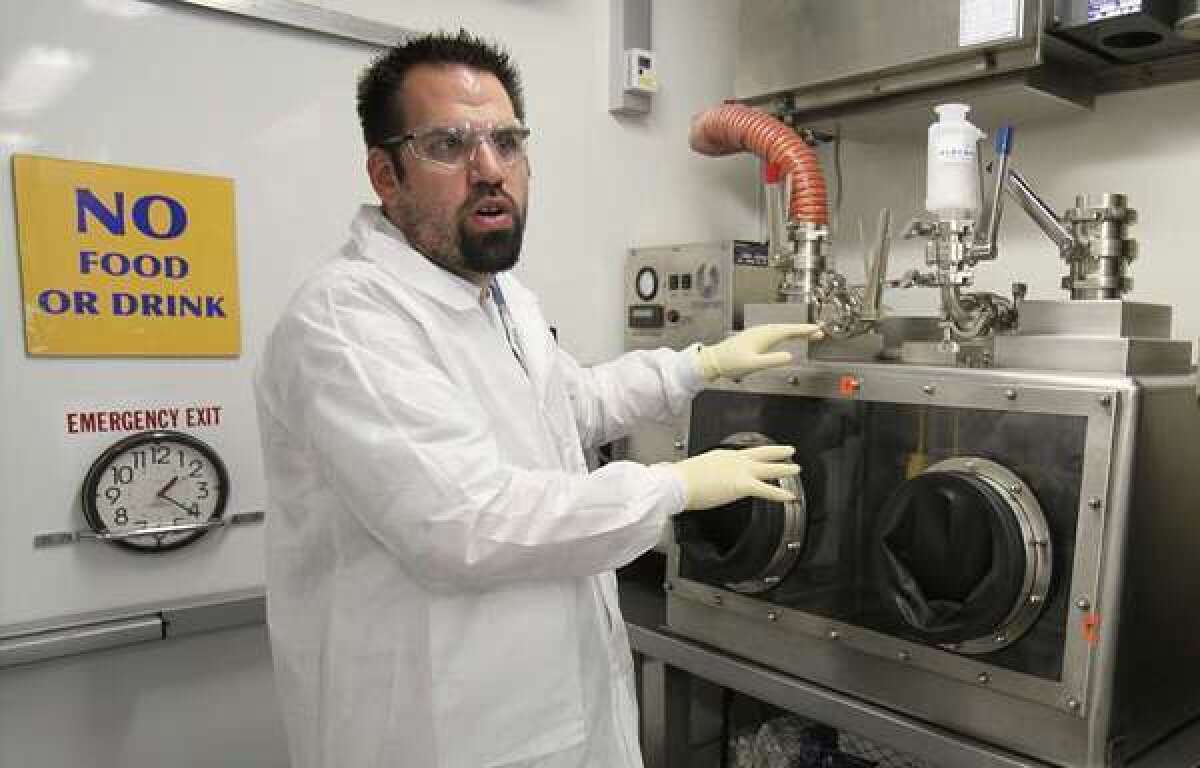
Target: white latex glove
746, 352
723, 476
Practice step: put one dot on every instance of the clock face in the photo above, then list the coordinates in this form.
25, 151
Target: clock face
152, 481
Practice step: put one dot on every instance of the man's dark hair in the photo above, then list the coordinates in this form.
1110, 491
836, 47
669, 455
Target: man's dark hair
379, 108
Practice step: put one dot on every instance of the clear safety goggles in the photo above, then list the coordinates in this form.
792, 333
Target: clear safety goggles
452, 147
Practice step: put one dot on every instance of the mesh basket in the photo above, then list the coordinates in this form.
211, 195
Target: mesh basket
791, 741
876, 754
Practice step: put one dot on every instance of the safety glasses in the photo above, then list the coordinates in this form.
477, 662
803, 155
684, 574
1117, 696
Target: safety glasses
452, 147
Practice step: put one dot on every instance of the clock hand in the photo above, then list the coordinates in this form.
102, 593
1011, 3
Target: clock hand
162, 492
176, 503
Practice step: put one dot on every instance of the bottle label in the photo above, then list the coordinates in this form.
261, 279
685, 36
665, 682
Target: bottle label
954, 153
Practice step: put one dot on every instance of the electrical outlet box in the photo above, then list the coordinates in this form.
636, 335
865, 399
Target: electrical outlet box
632, 79
641, 72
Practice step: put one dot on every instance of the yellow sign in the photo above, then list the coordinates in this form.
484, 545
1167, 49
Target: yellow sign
119, 261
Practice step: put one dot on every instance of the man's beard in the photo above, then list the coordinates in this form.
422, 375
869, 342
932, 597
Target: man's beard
491, 252
451, 245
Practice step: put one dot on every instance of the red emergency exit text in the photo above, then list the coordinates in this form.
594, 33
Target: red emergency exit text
140, 419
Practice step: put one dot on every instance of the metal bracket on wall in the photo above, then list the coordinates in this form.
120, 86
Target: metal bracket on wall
307, 17
43, 540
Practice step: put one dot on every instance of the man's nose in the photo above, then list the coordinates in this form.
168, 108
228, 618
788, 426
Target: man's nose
485, 163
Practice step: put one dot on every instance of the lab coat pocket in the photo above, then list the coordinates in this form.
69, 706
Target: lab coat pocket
620, 654
506, 675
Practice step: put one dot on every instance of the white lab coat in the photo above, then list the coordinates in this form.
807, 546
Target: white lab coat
439, 571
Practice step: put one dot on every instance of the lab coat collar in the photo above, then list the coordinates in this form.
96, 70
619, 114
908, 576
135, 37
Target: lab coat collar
378, 240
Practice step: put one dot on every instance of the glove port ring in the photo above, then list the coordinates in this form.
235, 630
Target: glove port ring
751, 545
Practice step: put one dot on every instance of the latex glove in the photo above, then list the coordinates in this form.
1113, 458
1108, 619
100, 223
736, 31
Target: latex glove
723, 476
746, 352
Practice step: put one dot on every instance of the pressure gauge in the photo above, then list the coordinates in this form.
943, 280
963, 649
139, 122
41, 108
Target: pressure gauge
647, 283
155, 481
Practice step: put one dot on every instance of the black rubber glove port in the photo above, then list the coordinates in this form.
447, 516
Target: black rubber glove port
731, 543
950, 556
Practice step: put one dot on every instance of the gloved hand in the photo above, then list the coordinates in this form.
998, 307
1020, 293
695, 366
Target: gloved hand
746, 352
724, 476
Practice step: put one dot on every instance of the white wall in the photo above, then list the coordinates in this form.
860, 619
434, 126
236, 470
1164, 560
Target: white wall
1144, 144
205, 701
601, 185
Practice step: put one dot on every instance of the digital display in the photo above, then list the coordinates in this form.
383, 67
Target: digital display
646, 316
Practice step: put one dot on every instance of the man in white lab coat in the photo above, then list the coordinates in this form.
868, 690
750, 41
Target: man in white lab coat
440, 586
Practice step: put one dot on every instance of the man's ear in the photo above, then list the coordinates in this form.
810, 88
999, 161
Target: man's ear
384, 175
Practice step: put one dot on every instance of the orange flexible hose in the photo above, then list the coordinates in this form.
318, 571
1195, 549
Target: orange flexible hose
733, 128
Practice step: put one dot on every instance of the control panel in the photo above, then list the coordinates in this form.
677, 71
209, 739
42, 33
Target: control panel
678, 295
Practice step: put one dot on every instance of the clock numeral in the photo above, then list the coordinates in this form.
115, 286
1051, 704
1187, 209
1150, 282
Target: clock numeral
194, 510
196, 467
203, 489
121, 516
122, 475
139, 459
113, 494
160, 454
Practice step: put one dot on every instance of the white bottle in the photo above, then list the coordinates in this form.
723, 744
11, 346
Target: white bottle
952, 175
